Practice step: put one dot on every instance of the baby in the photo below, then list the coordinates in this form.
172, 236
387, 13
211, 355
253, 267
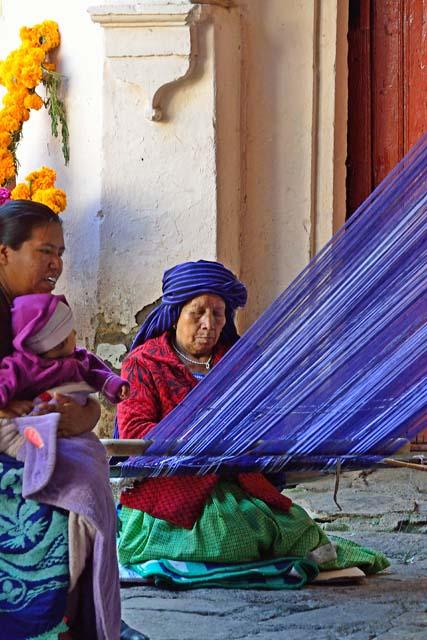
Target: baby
45, 354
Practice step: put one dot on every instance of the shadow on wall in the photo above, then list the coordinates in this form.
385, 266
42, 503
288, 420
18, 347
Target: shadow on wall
277, 85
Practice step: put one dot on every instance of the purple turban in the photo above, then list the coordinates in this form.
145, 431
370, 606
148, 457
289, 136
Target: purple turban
186, 281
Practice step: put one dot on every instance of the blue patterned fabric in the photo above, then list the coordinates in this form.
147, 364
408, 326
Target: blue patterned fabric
280, 573
34, 574
186, 281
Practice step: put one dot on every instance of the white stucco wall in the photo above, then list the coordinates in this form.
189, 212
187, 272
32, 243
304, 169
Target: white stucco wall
241, 168
80, 59
159, 188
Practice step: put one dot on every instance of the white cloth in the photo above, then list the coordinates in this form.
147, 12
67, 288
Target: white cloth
56, 330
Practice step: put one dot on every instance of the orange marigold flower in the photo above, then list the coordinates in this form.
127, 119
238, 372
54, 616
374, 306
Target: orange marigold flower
31, 74
10, 121
21, 192
6, 71
4, 154
15, 97
37, 55
33, 101
7, 167
49, 34
53, 198
43, 178
30, 35
14, 111
44, 35
5, 139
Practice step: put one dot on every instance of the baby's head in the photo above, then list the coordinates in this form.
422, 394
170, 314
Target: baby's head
63, 349
57, 338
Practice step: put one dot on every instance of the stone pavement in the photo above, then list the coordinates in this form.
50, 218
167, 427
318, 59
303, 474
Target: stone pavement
384, 509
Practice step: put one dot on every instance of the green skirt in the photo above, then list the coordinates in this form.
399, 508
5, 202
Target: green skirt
235, 527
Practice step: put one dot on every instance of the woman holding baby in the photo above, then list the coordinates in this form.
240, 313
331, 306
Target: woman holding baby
46, 552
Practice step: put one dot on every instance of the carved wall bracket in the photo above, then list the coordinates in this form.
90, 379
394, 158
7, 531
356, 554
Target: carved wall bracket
152, 45
227, 4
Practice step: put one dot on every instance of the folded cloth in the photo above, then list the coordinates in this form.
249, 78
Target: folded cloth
72, 473
280, 573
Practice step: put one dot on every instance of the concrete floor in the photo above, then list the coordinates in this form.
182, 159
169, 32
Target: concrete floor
386, 510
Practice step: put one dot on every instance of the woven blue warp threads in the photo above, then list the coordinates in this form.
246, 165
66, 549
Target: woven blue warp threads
335, 369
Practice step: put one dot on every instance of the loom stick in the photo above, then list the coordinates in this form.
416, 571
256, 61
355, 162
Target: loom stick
408, 465
131, 447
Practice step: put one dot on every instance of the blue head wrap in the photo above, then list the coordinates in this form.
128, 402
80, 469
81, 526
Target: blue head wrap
189, 280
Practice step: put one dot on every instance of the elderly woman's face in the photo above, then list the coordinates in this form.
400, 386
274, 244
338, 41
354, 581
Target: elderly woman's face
200, 324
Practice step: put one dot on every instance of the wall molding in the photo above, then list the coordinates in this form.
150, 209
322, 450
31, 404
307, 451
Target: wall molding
153, 45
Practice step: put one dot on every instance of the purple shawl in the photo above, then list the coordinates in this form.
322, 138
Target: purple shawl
72, 473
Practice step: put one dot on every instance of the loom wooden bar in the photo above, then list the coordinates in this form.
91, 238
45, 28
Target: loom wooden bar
407, 465
132, 447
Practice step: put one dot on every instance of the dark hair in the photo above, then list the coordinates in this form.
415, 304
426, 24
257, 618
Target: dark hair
18, 218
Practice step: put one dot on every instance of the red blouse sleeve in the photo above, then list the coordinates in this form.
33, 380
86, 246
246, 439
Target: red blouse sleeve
138, 414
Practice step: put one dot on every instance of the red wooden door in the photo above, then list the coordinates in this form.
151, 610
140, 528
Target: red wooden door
387, 92
387, 89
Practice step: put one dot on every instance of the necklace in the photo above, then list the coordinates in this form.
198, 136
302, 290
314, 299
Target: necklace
206, 364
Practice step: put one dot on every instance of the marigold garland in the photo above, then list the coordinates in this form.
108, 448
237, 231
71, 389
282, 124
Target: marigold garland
40, 187
21, 72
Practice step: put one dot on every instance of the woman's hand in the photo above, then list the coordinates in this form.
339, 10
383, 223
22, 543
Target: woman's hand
124, 392
16, 408
75, 419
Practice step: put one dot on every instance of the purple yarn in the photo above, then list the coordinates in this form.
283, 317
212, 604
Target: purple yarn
335, 369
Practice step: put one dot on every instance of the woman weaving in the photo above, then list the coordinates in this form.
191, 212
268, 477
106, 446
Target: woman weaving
236, 520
